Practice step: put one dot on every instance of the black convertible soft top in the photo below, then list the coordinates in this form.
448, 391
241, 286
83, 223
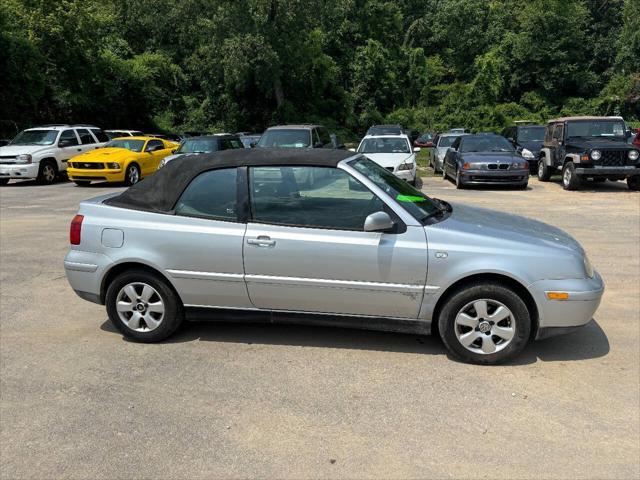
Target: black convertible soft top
160, 192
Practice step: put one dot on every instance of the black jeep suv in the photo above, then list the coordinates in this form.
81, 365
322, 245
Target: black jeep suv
589, 147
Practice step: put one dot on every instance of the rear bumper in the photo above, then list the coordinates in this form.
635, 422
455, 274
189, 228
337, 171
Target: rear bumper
495, 177
628, 171
562, 316
98, 175
85, 271
19, 170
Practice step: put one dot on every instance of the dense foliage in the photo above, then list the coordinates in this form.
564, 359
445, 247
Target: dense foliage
246, 64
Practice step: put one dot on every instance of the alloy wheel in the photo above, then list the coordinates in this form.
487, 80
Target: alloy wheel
566, 177
140, 307
134, 176
485, 326
540, 169
48, 173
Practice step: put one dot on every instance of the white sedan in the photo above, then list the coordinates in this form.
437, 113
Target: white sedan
393, 152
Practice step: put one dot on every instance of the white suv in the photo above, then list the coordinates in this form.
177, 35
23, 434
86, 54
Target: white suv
393, 152
43, 152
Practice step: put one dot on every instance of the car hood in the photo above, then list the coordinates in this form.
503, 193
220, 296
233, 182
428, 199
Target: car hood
491, 227
12, 150
490, 157
602, 142
105, 155
390, 159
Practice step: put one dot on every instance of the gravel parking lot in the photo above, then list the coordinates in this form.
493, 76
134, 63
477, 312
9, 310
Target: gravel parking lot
238, 401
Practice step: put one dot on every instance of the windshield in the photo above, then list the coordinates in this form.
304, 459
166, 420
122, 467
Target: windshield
413, 201
485, 143
197, 145
384, 145
35, 137
531, 134
285, 138
133, 145
446, 142
596, 128
247, 140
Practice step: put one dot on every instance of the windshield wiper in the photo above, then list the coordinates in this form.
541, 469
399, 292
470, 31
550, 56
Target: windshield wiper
443, 209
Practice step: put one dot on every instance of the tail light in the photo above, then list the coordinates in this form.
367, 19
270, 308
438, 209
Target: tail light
76, 230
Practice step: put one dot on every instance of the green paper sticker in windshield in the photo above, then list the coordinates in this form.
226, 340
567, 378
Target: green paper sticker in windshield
409, 198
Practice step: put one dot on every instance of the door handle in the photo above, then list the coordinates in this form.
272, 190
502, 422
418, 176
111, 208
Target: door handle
261, 241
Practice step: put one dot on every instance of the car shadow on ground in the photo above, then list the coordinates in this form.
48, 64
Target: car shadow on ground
593, 187
589, 342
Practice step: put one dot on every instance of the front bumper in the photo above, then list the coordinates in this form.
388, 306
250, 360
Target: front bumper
95, 175
561, 316
406, 175
495, 177
627, 171
19, 170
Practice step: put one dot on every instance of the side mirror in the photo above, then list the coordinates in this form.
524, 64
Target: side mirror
253, 144
416, 149
352, 149
511, 139
66, 142
318, 145
174, 150
378, 222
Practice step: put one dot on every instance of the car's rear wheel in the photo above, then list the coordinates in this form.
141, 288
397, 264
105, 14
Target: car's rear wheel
143, 307
544, 171
570, 179
634, 183
47, 172
132, 175
485, 324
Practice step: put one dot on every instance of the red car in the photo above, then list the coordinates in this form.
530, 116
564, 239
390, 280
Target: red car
425, 140
636, 141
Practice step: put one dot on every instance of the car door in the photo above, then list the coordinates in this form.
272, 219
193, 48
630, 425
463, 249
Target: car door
200, 246
557, 144
87, 141
69, 146
306, 250
155, 150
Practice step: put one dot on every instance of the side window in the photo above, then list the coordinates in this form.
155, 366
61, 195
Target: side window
153, 144
557, 132
69, 135
315, 197
315, 137
85, 136
230, 143
211, 194
548, 133
100, 135
325, 138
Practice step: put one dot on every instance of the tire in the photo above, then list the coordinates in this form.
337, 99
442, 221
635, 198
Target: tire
132, 175
503, 340
570, 179
523, 186
145, 324
82, 183
633, 183
4, 181
544, 171
47, 173
459, 183
444, 173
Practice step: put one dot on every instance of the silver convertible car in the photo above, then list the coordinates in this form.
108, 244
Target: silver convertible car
324, 237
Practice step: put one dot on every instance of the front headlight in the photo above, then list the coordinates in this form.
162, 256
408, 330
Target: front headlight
161, 164
633, 155
588, 268
113, 166
596, 154
406, 166
25, 158
528, 154
520, 165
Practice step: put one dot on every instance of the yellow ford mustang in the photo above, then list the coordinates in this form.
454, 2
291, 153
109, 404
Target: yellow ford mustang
124, 159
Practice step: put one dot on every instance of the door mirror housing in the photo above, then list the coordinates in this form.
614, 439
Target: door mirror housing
65, 142
318, 145
378, 222
416, 149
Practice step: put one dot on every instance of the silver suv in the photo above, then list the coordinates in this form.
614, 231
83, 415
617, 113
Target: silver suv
42, 153
324, 237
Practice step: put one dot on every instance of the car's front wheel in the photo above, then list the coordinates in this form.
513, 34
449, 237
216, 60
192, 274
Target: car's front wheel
485, 324
570, 179
47, 173
143, 306
132, 175
634, 183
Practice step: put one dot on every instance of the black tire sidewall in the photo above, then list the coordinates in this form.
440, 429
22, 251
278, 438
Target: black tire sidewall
41, 179
173, 315
633, 183
501, 293
126, 174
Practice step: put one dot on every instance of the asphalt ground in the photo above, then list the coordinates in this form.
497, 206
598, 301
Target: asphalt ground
243, 401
